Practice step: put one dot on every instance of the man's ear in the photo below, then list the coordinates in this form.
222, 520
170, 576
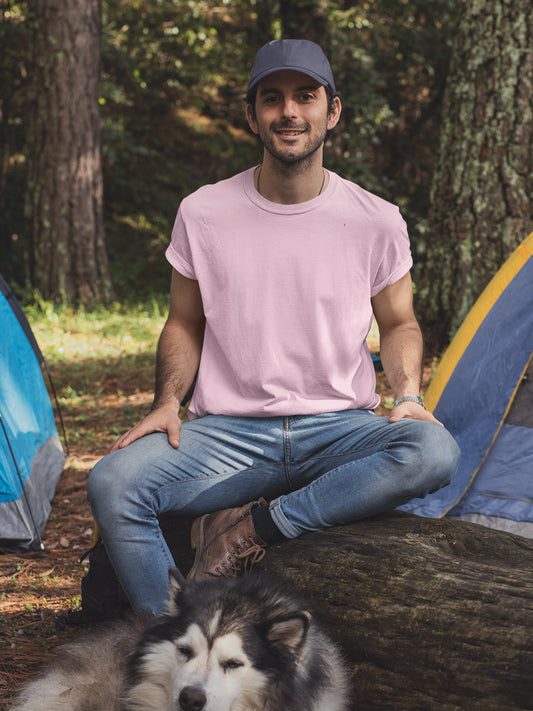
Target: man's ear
334, 116
176, 581
252, 121
290, 631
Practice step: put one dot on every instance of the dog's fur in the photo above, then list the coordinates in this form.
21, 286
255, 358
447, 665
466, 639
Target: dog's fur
228, 645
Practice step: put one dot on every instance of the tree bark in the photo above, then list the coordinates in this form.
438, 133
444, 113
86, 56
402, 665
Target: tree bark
481, 206
64, 201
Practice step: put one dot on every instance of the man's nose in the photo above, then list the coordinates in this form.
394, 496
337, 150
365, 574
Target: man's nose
290, 108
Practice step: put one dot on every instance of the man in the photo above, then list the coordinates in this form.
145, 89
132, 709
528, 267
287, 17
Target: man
276, 274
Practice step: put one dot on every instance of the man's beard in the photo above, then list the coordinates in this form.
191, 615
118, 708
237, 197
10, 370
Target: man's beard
299, 159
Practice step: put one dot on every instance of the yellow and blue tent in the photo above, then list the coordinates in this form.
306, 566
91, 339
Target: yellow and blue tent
482, 392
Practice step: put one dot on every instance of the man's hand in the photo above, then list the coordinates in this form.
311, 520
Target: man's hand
412, 410
162, 419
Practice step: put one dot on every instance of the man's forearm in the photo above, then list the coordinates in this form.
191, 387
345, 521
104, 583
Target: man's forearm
401, 352
177, 361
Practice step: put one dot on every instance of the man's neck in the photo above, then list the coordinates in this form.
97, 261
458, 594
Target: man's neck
290, 184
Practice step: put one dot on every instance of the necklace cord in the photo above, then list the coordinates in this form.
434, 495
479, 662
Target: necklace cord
319, 192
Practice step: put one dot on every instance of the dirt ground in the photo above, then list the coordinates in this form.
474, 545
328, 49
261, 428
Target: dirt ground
37, 588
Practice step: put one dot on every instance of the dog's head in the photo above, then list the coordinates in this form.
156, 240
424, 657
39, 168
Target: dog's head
220, 646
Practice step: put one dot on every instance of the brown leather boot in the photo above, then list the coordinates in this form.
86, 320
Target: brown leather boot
226, 543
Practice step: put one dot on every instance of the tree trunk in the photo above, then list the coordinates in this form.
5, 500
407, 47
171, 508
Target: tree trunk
64, 199
481, 192
432, 615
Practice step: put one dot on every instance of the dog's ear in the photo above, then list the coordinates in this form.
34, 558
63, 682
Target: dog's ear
176, 581
290, 631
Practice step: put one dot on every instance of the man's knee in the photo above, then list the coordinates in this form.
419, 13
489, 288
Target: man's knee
444, 454
434, 458
113, 483
103, 484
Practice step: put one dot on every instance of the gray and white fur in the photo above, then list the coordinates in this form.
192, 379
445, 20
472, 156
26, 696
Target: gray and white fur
229, 645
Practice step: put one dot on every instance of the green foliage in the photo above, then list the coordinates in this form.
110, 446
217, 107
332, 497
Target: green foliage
174, 74
172, 88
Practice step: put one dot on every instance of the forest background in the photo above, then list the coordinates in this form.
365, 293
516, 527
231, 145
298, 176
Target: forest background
437, 118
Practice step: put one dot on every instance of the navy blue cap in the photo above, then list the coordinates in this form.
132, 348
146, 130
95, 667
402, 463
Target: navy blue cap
296, 54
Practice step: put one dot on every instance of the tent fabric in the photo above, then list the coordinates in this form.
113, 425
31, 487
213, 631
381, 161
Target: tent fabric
21, 317
521, 528
31, 455
483, 393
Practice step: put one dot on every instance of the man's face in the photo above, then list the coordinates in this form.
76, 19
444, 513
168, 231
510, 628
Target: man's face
291, 116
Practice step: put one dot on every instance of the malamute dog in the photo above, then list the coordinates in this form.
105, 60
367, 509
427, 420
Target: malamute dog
230, 645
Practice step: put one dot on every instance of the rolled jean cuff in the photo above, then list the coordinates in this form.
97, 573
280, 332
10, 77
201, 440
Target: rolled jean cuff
286, 528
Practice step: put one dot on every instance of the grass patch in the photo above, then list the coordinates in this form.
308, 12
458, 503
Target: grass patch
66, 334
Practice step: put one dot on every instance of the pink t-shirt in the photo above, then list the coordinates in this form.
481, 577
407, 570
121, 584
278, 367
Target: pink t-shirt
286, 293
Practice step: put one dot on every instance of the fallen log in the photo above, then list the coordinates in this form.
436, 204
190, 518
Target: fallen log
433, 615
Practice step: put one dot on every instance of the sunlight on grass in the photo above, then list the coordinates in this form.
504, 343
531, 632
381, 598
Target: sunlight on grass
373, 337
65, 334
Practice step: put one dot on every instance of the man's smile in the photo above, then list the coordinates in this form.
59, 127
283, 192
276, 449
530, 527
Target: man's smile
290, 131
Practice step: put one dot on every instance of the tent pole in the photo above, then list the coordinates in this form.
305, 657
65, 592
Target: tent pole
57, 407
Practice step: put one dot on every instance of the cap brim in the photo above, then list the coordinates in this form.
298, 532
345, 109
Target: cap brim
267, 72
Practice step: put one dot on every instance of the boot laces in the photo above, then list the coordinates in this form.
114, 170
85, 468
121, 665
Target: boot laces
242, 560
250, 556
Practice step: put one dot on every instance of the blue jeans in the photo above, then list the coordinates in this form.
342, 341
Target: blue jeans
316, 470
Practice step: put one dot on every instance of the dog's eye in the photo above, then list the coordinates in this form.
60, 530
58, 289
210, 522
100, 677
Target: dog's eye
231, 664
185, 652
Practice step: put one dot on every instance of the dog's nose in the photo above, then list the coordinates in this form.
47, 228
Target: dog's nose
192, 698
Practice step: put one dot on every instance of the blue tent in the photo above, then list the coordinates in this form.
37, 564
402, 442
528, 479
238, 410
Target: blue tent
31, 455
483, 393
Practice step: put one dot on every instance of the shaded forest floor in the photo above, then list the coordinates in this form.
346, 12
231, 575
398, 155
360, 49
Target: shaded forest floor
99, 398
